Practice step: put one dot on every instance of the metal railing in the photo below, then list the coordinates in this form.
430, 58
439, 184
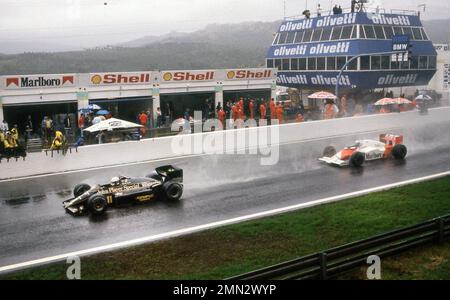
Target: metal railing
336, 261
348, 10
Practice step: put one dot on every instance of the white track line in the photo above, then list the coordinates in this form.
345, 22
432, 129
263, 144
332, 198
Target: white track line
194, 229
177, 157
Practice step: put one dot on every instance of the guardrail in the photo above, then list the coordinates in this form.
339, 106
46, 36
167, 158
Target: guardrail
345, 10
336, 261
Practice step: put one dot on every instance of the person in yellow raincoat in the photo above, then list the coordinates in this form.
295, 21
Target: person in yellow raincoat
58, 141
2, 142
10, 142
15, 133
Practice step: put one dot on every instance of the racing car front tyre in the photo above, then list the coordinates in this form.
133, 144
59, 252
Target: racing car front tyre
172, 191
357, 159
329, 151
97, 205
399, 151
80, 189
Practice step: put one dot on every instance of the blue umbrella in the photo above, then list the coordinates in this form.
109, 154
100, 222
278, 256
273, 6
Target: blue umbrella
90, 108
85, 110
102, 112
93, 107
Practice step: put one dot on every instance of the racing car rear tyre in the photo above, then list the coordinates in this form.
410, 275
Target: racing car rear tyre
172, 191
97, 205
80, 189
329, 151
399, 151
357, 159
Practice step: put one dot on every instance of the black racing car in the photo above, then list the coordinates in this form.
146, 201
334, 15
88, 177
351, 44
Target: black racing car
165, 183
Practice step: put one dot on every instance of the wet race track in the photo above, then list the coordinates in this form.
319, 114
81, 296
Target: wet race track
34, 225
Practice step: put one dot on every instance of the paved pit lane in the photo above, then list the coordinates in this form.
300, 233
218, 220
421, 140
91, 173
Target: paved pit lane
34, 225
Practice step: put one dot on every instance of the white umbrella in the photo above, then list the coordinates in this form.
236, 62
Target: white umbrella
385, 101
322, 95
402, 101
423, 97
112, 124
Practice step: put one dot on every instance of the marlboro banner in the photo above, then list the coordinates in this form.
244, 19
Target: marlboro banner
39, 81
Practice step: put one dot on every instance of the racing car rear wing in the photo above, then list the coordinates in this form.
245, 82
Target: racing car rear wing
170, 172
391, 139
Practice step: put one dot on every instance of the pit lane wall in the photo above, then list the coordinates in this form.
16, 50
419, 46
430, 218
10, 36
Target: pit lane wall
152, 149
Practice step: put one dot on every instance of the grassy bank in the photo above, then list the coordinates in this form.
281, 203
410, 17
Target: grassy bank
231, 250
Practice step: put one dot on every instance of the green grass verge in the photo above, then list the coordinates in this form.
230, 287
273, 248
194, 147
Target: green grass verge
235, 249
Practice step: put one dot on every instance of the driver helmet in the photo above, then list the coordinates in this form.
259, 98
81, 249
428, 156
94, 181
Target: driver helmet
115, 180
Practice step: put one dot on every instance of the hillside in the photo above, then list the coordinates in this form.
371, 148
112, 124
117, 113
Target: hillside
215, 46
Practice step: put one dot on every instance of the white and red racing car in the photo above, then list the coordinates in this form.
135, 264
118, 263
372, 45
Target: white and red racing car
388, 146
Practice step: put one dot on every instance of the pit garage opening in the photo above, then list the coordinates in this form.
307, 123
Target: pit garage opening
18, 114
125, 108
174, 106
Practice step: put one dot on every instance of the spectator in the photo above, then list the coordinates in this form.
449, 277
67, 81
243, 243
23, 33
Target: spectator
158, 117
2, 141
81, 122
15, 132
48, 128
272, 107
221, 115
27, 134
228, 110
262, 111
96, 120
319, 10
384, 110
29, 123
251, 108
307, 14
343, 105
335, 10
299, 118
79, 142
9, 142
353, 6
339, 10
43, 127
280, 112
4, 127
359, 111
186, 114
143, 121
58, 141
67, 125
67, 122
218, 108
329, 110
235, 111
241, 104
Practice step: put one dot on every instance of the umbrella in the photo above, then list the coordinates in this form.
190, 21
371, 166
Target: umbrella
89, 108
402, 101
423, 97
385, 101
85, 110
322, 95
93, 107
112, 124
102, 112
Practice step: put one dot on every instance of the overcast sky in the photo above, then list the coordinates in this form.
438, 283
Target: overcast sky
88, 23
